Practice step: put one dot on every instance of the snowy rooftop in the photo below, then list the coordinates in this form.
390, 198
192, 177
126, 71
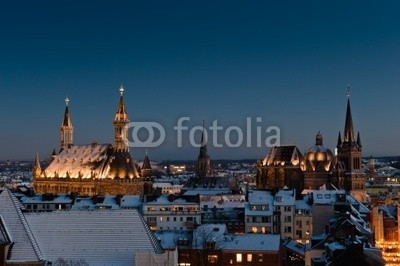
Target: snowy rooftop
163, 200
169, 239
131, 201
326, 196
285, 197
223, 201
98, 237
84, 160
253, 242
24, 247
295, 247
260, 197
91, 161
208, 232
302, 205
61, 199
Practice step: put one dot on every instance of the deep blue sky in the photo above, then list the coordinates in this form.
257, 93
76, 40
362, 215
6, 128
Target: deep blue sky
286, 61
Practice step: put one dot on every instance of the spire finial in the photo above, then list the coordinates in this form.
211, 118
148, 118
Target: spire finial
66, 101
121, 90
348, 90
147, 152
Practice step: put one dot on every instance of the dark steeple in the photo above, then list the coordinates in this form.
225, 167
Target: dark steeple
319, 139
348, 126
146, 162
203, 164
359, 139
146, 167
339, 140
203, 147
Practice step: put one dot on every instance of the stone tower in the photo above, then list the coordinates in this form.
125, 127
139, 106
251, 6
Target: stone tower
66, 130
349, 152
203, 164
121, 122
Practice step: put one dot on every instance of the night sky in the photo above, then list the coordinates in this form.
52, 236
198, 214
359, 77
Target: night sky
288, 62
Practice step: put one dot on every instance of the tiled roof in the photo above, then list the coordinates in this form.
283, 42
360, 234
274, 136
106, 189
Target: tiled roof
106, 237
93, 160
24, 248
286, 154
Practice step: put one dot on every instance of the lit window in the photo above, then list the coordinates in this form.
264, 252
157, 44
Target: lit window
161, 219
254, 229
249, 257
239, 257
212, 258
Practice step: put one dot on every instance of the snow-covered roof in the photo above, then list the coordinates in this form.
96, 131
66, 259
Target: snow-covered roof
107, 237
169, 239
253, 242
60, 199
24, 248
208, 232
131, 201
260, 197
163, 200
302, 205
82, 160
223, 201
326, 196
91, 161
295, 247
285, 198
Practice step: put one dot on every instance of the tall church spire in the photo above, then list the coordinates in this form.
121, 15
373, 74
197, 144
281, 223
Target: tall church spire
339, 140
66, 130
348, 126
120, 124
37, 169
203, 147
203, 164
349, 154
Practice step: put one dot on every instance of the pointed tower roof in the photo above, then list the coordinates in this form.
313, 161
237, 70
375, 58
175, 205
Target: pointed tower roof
358, 139
319, 140
37, 169
121, 114
67, 116
54, 153
348, 126
203, 147
339, 140
146, 162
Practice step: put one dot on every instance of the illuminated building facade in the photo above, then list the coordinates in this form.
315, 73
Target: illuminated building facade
93, 169
286, 167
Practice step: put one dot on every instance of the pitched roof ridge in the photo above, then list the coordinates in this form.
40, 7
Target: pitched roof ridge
156, 245
17, 205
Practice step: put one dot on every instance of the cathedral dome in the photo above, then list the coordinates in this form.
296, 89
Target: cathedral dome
318, 157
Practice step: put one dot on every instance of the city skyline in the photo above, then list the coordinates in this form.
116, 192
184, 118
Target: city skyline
286, 64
